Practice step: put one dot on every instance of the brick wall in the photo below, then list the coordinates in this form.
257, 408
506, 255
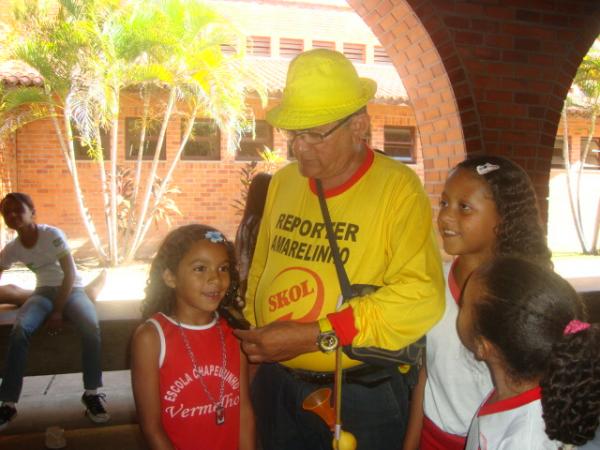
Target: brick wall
208, 188
496, 71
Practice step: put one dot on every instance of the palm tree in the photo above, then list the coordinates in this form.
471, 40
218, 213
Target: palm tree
92, 52
190, 48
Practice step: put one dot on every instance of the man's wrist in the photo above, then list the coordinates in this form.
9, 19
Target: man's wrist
327, 340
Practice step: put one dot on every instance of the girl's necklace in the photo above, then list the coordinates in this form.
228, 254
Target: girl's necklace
218, 405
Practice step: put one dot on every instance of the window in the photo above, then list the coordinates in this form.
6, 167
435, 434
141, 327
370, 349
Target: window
133, 127
355, 52
324, 44
81, 151
259, 46
399, 142
557, 152
250, 148
380, 56
204, 143
288, 48
593, 158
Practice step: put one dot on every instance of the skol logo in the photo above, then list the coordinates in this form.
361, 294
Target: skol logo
297, 295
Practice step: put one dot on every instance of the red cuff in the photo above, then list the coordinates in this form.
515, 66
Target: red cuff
343, 325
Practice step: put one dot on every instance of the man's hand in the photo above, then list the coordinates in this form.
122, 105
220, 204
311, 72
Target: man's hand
54, 323
279, 341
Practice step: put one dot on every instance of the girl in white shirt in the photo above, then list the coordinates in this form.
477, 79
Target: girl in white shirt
527, 324
488, 208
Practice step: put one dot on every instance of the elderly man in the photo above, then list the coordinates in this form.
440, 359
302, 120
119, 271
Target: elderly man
382, 222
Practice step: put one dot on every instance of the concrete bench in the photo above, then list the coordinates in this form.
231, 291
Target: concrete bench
62, 353
118, 319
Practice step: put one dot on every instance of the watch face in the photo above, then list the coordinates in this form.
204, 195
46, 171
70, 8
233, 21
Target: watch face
327, 342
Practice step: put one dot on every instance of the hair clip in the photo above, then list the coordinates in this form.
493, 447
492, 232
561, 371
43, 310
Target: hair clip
482, 169
214, 236
575, 326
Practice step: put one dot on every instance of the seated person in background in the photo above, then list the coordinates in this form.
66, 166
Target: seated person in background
58, 293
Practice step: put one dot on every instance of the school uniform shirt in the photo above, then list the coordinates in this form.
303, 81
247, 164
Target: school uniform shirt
511, 424
43, 258
188, 415
382, 222
456, 382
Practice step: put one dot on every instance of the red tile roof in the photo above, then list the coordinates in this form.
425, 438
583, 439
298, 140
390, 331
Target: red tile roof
17, 73
270, 71
390, 89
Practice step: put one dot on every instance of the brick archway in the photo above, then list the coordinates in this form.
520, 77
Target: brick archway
485, 76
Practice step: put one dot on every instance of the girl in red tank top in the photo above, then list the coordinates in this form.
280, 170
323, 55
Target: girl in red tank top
190, 380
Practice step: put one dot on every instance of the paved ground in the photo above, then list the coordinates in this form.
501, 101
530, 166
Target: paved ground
55, 401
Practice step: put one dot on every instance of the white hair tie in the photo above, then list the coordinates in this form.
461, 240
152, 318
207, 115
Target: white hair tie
482, 169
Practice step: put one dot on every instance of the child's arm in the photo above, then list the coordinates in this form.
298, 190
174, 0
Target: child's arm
145, 349
67, 264
415, 419
247, 436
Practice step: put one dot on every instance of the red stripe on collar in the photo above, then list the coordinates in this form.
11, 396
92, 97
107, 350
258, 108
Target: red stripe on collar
362, 169
510, 403
452, 284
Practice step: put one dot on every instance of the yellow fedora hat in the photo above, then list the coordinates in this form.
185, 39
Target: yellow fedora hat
322, 86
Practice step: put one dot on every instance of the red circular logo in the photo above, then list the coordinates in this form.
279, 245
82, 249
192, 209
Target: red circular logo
298, 295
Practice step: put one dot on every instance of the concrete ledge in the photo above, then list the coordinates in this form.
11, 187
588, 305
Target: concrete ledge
118, 319
61, 353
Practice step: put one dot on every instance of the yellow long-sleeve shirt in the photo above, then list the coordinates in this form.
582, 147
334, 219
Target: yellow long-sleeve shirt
382, 221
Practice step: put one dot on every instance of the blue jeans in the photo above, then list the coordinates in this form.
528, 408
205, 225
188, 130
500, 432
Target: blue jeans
79, 310
376, 415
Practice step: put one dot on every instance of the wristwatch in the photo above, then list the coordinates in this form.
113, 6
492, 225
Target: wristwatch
327, 340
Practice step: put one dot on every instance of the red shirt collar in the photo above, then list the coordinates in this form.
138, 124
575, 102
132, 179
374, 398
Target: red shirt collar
510, 403
364, 166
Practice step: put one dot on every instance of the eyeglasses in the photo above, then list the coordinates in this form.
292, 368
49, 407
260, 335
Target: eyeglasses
312, 137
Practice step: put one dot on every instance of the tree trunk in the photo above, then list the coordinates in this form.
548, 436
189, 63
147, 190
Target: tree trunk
138, 172
114, 247
69, 155
165, 182
567, 163
150, 182
105, 195
580, 171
